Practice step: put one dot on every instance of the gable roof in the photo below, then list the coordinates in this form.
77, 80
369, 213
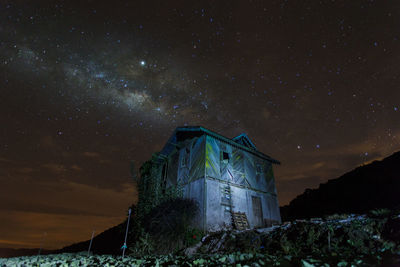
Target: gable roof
242, 141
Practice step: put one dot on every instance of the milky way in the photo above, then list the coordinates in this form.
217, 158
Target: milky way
86, 87
118, 76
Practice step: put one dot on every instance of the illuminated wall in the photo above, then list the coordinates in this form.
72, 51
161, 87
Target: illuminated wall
205, 166
248, 175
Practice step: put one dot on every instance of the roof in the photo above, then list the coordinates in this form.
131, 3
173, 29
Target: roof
241, 141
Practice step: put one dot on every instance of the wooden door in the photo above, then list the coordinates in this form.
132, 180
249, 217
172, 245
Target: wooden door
257, 211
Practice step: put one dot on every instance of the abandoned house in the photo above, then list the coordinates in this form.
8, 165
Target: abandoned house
231, 180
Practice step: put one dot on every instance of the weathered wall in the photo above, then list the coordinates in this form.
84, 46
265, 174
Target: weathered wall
273, 208
243, 168
217, 215
173, 165
212, 157
187, 165
197, 158
248, 175
201, 158
191, 160
195, 190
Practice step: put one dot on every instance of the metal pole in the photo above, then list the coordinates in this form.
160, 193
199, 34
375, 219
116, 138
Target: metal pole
90, 245
126, 235
41, 245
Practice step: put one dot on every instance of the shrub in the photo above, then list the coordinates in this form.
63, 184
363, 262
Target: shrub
192, 236
379, 213
168, 227
143, 246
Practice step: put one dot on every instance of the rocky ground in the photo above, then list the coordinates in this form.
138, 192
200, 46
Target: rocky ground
339, 240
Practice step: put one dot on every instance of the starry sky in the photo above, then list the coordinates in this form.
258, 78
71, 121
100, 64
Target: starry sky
88, 86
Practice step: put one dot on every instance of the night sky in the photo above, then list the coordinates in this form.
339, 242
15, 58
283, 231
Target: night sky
88, 86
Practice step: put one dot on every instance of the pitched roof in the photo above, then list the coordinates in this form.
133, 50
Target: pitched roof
242, 141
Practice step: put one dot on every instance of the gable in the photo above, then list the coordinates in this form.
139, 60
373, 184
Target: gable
244, 140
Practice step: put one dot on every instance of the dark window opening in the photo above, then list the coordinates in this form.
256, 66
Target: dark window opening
164, 178
259, 168
183, 160
225, 156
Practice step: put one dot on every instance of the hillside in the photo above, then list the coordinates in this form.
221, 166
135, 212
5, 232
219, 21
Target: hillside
376, 185
340, 240
108, 242
16, 252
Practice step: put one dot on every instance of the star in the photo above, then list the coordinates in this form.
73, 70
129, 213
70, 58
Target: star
109, 82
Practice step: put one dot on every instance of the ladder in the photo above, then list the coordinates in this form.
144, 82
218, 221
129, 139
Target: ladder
228, 194
238, 219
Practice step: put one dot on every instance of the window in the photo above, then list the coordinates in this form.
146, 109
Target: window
164, 177
259, 168
185, 157
183, 160
225, 157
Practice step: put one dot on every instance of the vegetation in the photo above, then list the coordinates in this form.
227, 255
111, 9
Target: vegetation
161, 215
340, 240
167, 228
151, 189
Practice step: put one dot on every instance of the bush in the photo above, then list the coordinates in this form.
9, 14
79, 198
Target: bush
379, 213
168, 227
193, 236
143, 246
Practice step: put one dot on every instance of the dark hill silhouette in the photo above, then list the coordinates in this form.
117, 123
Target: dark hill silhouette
16, 252
372, 186
108, 242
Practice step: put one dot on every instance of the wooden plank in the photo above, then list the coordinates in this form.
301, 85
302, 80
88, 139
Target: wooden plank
240, 220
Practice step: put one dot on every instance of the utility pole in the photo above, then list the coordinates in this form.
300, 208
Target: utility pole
90, 245
126, 235
41, 246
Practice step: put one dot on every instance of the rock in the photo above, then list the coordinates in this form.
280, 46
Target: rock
391, 229
218, 245
204, 238
189, 252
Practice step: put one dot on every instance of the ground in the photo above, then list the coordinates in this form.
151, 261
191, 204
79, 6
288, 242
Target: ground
339, 240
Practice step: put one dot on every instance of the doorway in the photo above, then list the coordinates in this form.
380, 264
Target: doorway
257, 211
